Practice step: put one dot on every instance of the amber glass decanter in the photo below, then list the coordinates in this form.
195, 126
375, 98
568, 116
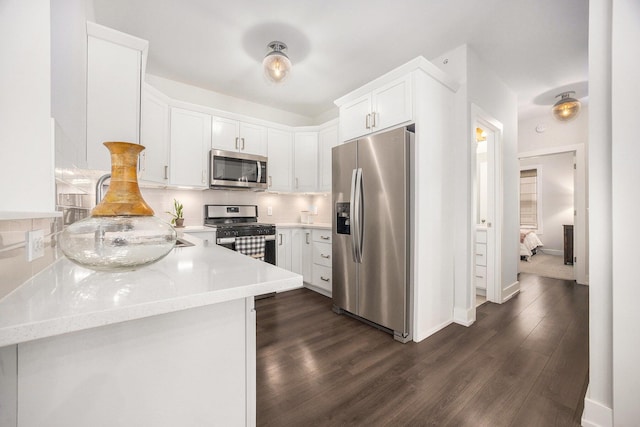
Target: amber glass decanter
121, 233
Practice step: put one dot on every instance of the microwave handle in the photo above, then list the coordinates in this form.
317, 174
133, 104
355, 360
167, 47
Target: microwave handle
259, 171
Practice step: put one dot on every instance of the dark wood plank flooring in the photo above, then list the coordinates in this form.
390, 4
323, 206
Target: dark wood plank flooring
522, 363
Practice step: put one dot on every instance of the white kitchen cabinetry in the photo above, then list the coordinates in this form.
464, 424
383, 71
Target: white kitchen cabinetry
480, 268
280, 163
232, 135
190, 144
327, 139
296, 250
154, 135
307, 255
114, 72
305, 162
283, 248
207, 236
321, 255
384, 107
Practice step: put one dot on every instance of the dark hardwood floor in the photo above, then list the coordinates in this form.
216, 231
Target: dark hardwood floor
522, 363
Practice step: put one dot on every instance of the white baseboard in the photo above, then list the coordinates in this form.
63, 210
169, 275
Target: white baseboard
510, 291
419, 337
595, 414
463, 316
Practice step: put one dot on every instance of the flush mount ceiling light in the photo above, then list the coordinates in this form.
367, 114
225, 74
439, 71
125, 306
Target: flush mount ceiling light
276, 63
566, 108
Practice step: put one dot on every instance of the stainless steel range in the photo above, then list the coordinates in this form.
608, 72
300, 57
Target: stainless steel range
234, 221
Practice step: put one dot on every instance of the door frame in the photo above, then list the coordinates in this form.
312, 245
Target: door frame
579, 204
494, 233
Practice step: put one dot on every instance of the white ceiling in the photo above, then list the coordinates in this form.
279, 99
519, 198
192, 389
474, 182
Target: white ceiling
537, 47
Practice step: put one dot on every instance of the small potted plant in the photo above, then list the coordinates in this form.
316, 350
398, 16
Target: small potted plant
177, 214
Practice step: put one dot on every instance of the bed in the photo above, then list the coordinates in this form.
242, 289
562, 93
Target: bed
529, 244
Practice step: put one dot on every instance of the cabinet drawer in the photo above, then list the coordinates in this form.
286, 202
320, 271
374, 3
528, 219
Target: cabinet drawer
322, 254
322, 277
480, 278
323, 236
481, 254
481, 236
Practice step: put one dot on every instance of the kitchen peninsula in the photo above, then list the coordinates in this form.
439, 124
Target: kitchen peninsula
169, 344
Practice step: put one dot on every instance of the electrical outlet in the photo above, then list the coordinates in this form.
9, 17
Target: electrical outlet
269, 210
35, 244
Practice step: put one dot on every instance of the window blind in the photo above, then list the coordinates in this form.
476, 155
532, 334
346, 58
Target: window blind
529, 198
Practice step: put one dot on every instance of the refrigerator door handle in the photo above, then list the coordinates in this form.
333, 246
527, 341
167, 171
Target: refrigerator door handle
360, 213
352, 215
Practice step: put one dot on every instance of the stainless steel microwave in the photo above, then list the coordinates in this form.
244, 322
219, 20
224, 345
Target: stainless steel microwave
233, 170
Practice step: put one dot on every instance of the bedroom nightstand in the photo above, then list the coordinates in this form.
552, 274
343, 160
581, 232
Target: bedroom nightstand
568, 244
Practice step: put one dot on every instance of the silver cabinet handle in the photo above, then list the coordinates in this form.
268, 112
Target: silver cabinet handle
373, 120
366, 121
324, 279
237, 142
307, 238
166, 172
325, 237
479, 254
325, 256
204, 177
242, 139
479, 277
296, 182
280, 239
270, 181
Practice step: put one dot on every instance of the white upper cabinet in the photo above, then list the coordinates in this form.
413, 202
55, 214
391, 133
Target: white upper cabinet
280, 160
154, 135
232, 135
327, 139
305, 162
382, 108
114, 70
190, 145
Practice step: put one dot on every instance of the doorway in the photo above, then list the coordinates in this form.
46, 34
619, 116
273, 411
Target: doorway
486, 221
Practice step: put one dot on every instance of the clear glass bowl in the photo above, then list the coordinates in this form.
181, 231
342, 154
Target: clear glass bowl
108, 243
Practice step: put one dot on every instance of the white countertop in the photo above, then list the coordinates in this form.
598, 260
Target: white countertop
66, 297
319, 225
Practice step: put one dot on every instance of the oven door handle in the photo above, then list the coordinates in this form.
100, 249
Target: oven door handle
225, 240
270, 237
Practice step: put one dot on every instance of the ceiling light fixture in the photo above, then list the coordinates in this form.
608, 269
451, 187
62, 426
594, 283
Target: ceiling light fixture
566, 108
276, 63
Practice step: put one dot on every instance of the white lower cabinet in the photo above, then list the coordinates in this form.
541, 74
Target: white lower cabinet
283, 248
307, 256
307, 252
322, 273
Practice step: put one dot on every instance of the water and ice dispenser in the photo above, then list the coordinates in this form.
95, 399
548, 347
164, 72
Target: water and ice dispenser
342, 218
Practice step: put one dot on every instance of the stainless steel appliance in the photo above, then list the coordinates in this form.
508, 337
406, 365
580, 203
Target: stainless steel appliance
371, 232
235, 221
233, 170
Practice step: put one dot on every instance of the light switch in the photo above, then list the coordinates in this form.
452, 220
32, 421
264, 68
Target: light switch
269, 210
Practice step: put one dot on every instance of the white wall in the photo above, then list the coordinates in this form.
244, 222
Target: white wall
625, 113
598, 405
482, 87
555, 178
27, 173
488, 92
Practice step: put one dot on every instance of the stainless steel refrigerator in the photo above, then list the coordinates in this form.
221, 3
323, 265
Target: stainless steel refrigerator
371, 179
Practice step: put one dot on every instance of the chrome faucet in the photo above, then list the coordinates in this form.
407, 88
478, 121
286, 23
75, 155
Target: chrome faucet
100, 185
